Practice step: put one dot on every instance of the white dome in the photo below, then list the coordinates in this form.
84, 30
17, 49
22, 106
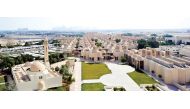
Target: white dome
37, 67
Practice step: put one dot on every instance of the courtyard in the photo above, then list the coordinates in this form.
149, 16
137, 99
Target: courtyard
100, 77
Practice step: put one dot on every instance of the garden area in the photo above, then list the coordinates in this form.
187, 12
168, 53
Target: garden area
94, 71
141, 78
92, 87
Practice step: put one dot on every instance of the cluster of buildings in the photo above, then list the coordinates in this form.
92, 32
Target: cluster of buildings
179, 38
98, 46
169, 63
171, 69
68, 45
178, 50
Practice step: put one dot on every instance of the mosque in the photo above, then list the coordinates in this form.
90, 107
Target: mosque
36, 75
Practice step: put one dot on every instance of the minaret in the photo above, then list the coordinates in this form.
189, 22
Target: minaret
46, 56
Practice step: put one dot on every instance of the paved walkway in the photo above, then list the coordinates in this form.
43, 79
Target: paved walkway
76, 85
91, 81
119, 77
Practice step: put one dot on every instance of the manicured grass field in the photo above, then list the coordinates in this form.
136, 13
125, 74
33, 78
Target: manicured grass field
57, 89
94, 71
2, 80
141, 78
92, 87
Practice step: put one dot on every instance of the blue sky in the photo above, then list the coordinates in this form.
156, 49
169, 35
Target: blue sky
96, 14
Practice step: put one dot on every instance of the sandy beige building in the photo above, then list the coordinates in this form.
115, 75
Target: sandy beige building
169, 68
99, 46
36, 75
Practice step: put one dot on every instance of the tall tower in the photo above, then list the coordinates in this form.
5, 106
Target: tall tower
46, 56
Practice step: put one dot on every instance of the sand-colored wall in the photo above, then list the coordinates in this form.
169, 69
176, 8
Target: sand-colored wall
167, 77
187, 74
146, 64
159, 69
118, 54
170, 75
182, 76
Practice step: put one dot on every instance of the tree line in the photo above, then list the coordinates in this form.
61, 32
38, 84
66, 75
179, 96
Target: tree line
151, 42
56, 57
8, 61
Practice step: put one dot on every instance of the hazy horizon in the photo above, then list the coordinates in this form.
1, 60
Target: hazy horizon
99, 14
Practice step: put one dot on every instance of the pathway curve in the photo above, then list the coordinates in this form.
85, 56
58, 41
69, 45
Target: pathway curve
119, 77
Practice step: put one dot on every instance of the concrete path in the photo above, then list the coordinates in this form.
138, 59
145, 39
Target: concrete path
119, 77
91, 81
76, 85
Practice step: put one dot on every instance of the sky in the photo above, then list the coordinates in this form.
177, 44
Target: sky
95, 14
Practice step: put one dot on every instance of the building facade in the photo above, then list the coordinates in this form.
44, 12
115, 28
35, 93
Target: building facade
36, 75
170, 69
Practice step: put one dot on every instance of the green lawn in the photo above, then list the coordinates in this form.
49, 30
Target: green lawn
57, 89
92, 87
141, 78
2, 80
2, 87
94, 71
